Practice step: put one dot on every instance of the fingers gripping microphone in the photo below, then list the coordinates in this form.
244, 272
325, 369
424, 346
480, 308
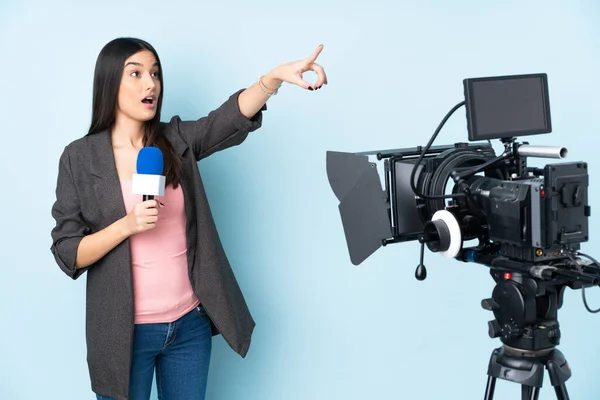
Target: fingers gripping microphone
149, 180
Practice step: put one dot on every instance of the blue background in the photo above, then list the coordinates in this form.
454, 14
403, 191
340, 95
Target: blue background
325, 329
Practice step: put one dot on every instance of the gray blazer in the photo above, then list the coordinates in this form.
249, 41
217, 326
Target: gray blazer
89, 198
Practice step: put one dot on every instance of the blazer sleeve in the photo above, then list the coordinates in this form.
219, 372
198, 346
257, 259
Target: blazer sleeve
223, 127
70, 227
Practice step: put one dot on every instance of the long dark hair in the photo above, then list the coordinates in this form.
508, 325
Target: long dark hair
107, 78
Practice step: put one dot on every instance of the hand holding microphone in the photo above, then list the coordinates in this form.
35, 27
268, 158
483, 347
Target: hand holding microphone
147, 182
143, 217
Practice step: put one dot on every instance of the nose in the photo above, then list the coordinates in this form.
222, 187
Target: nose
149, 83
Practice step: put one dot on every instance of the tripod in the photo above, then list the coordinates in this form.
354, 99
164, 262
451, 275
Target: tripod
527, 368
526, 322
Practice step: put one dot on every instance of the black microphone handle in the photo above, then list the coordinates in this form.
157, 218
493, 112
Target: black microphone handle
148, 197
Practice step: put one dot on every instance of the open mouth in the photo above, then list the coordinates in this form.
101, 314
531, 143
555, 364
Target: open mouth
148, 100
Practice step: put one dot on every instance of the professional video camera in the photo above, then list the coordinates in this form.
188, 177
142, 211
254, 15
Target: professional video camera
528, 222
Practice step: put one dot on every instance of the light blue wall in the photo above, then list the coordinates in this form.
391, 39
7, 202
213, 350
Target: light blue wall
326, 329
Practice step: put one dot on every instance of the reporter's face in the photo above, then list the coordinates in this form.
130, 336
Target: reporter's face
140, 87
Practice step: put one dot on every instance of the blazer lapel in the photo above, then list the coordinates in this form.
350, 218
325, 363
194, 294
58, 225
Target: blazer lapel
106, 178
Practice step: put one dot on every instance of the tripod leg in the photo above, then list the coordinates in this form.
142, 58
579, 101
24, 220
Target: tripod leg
489, 390
525, 392
535, 392
561, 392
529, 392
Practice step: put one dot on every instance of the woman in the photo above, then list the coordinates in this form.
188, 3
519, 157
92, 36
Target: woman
159, 285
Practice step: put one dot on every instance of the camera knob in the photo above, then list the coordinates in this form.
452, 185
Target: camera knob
554, 336
489, 304
494, 329
511, 330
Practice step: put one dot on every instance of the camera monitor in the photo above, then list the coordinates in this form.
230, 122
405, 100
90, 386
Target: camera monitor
507, 106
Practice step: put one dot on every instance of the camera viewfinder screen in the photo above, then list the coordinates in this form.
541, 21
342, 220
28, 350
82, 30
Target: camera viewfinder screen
510, 106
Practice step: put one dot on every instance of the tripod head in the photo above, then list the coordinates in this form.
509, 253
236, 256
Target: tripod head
527, 296
525, 311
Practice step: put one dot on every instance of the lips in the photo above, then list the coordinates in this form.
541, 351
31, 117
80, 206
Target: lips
149, 101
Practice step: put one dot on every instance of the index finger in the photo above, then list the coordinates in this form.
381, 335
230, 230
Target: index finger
316, 53
150, 203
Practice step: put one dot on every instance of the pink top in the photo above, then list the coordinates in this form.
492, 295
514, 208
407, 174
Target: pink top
162, 289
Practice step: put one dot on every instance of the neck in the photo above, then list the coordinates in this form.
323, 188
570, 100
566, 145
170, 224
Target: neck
127, 132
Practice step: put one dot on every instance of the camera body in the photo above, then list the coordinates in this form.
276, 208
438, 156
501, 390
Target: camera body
534, 219
528, 214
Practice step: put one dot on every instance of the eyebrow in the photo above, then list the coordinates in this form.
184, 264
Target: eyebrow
139, 64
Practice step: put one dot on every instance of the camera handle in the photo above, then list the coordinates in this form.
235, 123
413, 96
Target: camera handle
421, 271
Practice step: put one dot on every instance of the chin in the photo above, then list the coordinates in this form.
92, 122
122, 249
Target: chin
147, 116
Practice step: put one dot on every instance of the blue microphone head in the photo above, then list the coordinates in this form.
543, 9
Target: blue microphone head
150, 161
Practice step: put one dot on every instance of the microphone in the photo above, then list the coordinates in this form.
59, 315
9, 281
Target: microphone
149, 180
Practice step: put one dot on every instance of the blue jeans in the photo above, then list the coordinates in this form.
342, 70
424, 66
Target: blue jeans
179, 352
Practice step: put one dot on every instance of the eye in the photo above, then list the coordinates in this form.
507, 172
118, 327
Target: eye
156, 74
135, 74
